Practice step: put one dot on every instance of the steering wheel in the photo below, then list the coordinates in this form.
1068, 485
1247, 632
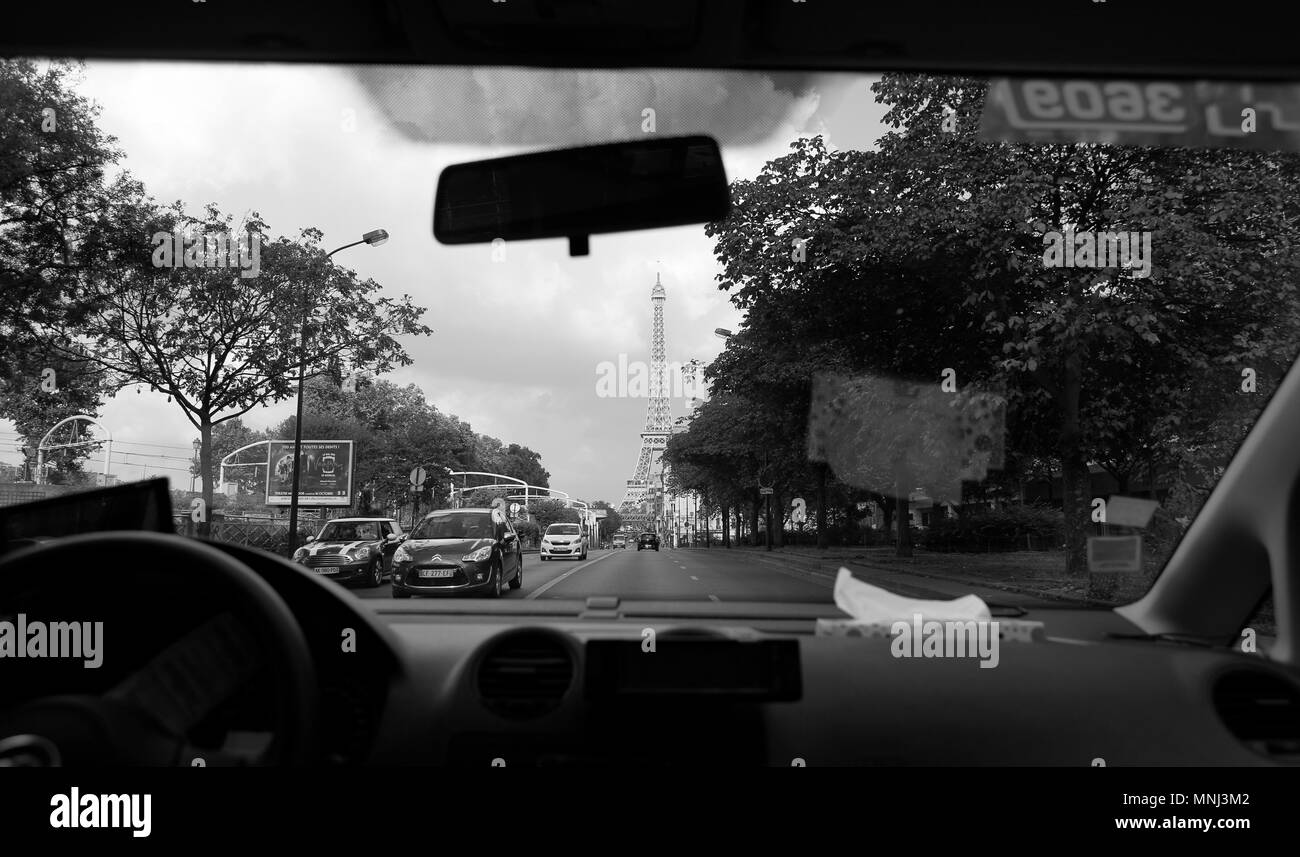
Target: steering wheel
245, 631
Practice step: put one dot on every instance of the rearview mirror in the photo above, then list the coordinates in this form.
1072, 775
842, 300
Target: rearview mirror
579, 192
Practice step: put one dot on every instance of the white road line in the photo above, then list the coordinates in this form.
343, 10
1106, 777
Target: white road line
714, 598
539, 590
693, 577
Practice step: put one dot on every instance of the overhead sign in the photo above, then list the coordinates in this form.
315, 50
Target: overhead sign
418, 475
324, 478
764, 491
1260, 117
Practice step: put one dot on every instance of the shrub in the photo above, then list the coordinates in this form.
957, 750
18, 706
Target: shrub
1026, 527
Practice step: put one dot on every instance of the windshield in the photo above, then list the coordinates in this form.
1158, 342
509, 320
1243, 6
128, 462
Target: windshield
337, 531
474, 525
950, 363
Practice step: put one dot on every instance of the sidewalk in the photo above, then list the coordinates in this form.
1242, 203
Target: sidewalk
1035, 574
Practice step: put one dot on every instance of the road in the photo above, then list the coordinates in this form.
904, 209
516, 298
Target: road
713, 574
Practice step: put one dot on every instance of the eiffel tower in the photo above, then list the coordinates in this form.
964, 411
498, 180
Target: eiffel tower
658, 420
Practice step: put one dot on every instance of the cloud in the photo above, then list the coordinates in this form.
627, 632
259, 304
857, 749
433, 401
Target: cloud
534, 107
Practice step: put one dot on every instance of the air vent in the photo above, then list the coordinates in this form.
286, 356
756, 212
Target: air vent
525, 675
1262, 710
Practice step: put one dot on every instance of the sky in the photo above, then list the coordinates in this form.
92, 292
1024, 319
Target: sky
517, 343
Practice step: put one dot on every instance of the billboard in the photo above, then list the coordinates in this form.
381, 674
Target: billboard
324, 477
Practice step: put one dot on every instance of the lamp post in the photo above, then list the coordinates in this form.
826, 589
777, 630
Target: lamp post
27, 464
374, 238
194, 473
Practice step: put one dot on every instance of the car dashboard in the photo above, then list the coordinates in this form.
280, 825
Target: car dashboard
531, 683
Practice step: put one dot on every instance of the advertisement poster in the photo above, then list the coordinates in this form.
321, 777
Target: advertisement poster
324, 478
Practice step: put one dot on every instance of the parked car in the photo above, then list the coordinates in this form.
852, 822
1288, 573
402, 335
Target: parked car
647, 541
455, 551
352, 550
566, 540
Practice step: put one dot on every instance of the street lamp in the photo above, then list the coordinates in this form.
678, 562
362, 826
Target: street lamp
198, 444
27, 464
374, 238
722, 333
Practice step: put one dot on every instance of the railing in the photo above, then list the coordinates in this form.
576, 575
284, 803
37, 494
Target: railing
272, 536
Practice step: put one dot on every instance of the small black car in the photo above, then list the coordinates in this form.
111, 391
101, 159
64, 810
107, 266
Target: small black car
647, 540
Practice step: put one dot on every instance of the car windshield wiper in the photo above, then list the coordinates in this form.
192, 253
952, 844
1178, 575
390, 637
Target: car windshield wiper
1013, 610
1204, 640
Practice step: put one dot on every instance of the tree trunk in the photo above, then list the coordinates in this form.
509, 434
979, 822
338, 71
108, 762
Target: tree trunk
205, 471
1076, 483
726, 525
778, 522
821, 507
902, 493
756, 509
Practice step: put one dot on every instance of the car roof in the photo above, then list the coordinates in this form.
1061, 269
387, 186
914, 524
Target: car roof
358, 520
436, 512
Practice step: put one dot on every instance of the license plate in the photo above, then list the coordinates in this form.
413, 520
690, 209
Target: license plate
437, 572
327, 571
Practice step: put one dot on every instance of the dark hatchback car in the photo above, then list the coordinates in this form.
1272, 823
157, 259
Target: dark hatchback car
647, 541
352, 550
459, 551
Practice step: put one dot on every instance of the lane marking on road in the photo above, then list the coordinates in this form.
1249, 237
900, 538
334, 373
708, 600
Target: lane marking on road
693, 577
714, 598
539, 590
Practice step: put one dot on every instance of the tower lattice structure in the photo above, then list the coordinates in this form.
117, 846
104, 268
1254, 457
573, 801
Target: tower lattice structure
658, 421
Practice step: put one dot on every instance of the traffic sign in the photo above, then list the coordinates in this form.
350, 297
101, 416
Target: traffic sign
764, 491
418, 475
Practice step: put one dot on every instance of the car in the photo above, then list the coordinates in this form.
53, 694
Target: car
564, 540
352, 550
647, 541
459, 551
620, 543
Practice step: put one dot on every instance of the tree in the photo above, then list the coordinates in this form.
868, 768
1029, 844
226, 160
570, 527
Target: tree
933, 246
522, 463
394, 430
547, 512
484, 497
838, 307
1108, 356
42, 390
53, 159
612, 522
220, 343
